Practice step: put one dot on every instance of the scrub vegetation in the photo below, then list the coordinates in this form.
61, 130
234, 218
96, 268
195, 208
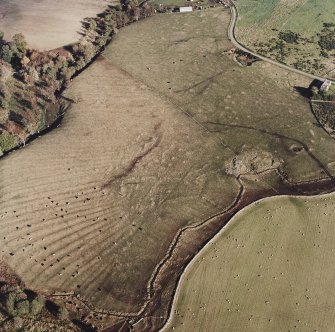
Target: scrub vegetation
299, 33
24, 309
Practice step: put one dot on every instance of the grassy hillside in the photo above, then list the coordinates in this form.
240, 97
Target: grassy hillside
302, 16
261, 22
167, 136
271, 269
186, 61
108, 190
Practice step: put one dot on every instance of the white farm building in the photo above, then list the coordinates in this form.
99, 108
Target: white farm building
185, 9
325, 85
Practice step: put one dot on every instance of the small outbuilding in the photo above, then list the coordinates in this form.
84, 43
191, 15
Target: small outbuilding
185, 9
325, 85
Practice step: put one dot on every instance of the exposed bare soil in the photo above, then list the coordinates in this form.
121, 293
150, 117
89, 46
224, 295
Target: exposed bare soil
47, 24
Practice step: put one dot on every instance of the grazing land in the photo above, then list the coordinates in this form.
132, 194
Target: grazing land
289, 31
275, 259
189, 66
47, 24
159, 149
100, 199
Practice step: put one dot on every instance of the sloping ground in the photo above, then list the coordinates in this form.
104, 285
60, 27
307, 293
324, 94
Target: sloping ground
93, 206
261, 21
157, 141
47, 24
186, 61
271, 269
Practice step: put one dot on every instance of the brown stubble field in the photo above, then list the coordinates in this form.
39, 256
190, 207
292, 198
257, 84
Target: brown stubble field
43, 22
159, 149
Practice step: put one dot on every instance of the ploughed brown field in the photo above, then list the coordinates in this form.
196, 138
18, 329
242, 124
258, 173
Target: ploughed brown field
47, 24
160, 147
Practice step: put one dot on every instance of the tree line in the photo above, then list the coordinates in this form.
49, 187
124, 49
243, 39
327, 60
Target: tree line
31, 80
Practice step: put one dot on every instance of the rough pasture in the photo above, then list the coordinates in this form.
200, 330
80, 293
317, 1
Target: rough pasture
47, 24
186, 61
97, 202
171, 136
260, 23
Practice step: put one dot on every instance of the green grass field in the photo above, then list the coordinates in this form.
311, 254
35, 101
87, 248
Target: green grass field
301, 16
261, 21
271, 269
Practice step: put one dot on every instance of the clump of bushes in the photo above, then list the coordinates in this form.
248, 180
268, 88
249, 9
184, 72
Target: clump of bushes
328, 95
17, 303
327, 39
13, 52
62, 313
37, 305
325, 114
21, 309
7, 141
289, 37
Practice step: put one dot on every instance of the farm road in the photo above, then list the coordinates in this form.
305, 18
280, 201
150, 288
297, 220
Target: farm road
232, 37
